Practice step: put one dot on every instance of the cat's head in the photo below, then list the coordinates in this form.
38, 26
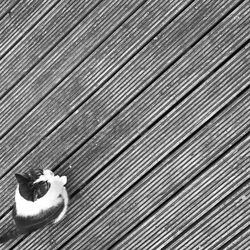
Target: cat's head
32, 184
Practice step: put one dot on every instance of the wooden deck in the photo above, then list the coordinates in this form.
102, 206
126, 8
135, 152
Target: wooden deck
144, 105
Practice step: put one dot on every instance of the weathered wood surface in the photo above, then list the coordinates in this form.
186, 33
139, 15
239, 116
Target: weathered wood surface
144, 105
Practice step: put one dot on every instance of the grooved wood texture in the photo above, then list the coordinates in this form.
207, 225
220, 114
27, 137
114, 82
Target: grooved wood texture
144, 105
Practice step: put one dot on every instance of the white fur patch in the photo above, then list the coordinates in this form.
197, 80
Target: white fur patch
56, 194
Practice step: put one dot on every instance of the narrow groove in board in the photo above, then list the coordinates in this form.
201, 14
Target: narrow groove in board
47, 51
235, 237
69, 73
7, 50
99, 87
7, 9
5, 213
243, 242
160, 214
17, 243
237, 228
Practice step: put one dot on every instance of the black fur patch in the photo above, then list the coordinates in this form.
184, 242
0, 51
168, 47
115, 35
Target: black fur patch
28, 189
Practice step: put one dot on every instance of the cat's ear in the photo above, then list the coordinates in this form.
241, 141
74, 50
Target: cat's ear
21, 179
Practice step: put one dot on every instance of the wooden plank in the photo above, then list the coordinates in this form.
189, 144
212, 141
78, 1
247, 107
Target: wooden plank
6, 6
241, 242
25, 94
33, 156
121, 174
136, 161
208, 135
210, 190
22, 17
40, 40
56, 106
218, 227
20, 142
120, 47
52, 154
6, 150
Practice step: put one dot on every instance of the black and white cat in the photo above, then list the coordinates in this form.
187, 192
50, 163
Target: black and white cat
40, 199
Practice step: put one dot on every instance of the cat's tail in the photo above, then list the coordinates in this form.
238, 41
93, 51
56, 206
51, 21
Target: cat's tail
10, 235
